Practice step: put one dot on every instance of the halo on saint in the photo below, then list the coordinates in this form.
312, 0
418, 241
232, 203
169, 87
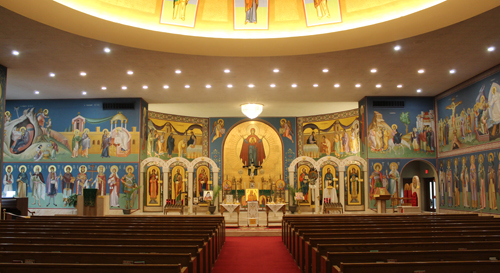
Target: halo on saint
7, 167
377, 165
103, 168
84, 167
23, 166
129, 167
37, 167
114, 167
490, 157
86, 130
481, 158
220, 121
249, 129
68, 166
393, 164
53, 166
394, 127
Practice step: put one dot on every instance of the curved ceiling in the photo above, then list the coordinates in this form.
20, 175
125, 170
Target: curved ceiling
136, 23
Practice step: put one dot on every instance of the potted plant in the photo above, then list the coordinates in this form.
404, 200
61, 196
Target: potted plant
212, 207
71, 200
128, 196
291, 192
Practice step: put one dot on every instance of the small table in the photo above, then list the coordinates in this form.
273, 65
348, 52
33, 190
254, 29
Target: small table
327, 208
274, 208
231, 208
173, 207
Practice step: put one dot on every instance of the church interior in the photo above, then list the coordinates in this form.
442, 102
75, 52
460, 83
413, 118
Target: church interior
302, 129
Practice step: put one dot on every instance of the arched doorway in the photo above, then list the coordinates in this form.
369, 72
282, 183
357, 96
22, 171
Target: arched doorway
427, 186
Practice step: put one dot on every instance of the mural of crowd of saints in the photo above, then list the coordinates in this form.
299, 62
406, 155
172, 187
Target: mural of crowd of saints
407, 137
470, 181
168, 139
339, 138
50, 185
470, 116
31, 135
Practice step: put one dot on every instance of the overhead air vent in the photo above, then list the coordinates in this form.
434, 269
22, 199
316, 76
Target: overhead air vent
388, 104
118, 106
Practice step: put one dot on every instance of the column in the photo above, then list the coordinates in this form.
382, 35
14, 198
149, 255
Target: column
215, 176
367, 191
341, 191
190, 191
316, 193
165, 184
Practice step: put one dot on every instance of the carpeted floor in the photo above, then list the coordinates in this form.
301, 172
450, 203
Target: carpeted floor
255, 254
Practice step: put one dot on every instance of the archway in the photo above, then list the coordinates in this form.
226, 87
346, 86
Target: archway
426, 188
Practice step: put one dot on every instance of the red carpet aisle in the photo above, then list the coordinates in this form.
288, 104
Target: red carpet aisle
255, 254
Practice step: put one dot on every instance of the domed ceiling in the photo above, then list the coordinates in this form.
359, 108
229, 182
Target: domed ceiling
244, 27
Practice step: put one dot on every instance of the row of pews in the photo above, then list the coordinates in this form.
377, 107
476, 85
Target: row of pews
393, 243
172, 244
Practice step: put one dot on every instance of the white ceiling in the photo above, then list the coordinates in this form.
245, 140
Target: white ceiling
44, 49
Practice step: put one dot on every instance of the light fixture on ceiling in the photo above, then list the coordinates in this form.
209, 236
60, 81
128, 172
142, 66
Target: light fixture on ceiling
315, 85
453, 71
145, 87
399, 86
336, 85
490, 49
84, 93
124, 87
37, 92
208, 86
186, 86
272, 85
104, 88
52, 74
252, 110
397, 48
276, 70
178, 71
251, 85
107, 50
227, 70
294, 85
15, 52
130, 72
378, 85
419, 90
166, 87
325, 70
358, 85
421, 71
83, 73
229, 86
374, 70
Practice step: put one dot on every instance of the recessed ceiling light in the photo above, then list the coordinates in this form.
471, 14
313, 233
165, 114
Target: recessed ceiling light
374, 70
397, 48
325, 70
15, 52
276, 70
177, 71
419, 90
104, 88
83, 73
51, 74
358, 85
208, 86
124, 87
107, 50
227, 70
336, 85
453, 71
186, 86
37, 92
166, 87
490, 49
378, 85
144, 87
421, 71
399, 86
272, 85
251, 85
315, 85
229, 86
84, 93
130, 72
294, 85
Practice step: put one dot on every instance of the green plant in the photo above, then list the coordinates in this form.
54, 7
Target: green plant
215, 194
128, 197
72, 199
291, 192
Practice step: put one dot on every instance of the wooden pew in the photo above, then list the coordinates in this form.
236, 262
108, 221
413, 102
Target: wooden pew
323, 249
17, 206
94, 268
427, 267
184, 259
336, 258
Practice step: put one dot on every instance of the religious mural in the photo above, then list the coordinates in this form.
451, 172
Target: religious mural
362, 128
154, 186
179, 12
7, 115
144, 130
71, 131
406, 132
251, 14
469, 116
329, 135
470, 182
50, 184
176, 136
354, 187
320, 12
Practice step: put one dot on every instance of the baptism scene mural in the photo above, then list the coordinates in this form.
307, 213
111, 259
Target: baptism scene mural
70, 131
329, 135
470, 182
175, 136
470, 116
401, 132
49, 185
